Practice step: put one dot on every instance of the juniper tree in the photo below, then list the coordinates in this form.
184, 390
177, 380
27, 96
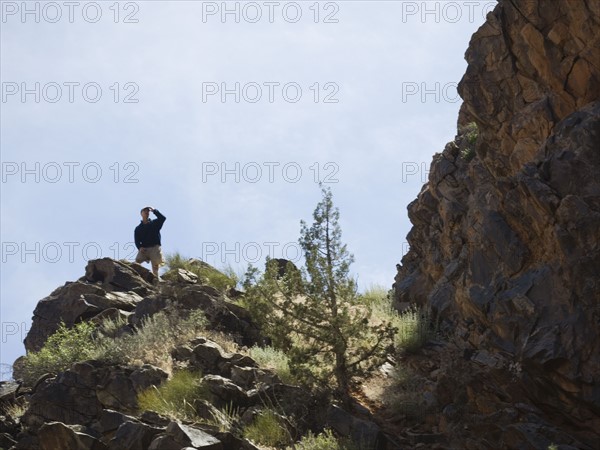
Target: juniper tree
315, 314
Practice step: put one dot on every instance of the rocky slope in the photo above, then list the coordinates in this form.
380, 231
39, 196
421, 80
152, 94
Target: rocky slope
94, 404
505, 247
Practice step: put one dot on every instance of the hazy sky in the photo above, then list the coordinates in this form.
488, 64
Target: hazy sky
222, 115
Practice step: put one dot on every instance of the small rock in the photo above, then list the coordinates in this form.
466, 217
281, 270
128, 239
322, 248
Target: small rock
225, 391
111, 420
207, 357
191, 436
134, 436
185, 276
153, 418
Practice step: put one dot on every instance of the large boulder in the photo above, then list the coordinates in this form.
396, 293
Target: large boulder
119, 275
69, 398
280, 266
107, 285
67, 304
80, 394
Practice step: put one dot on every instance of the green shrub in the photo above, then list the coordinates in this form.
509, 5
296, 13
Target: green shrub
206, 273
470, 133
275, 360
63, 348
414, 326
176, 397
323, 441
153, 340
374, 295
267, 429
151, 343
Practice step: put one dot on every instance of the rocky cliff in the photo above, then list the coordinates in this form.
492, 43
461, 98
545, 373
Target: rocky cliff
505, 244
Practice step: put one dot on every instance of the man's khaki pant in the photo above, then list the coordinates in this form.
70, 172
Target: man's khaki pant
152, 254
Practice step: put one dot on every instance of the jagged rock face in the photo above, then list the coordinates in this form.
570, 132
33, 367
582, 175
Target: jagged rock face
506, 247
530, 65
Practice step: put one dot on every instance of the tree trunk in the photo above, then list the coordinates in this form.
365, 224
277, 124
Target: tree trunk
342, 378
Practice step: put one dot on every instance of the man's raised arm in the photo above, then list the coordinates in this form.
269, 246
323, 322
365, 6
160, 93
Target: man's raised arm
159, 217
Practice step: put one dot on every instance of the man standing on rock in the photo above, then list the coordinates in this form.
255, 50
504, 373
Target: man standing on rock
147, 239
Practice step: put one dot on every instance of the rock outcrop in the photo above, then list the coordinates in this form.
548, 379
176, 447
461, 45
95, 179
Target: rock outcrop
121, 289
505, 246
94, 404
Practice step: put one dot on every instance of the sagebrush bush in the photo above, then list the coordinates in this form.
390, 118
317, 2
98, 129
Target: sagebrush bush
323, 441
205, 272
267, 429
176, 397
374, 294
150, 343
63, 348
414, 326
153, 340
275, 360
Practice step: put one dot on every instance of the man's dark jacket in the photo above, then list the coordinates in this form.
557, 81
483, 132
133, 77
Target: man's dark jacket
148, 234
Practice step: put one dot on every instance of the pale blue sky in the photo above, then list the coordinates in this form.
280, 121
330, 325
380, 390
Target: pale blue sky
166, 141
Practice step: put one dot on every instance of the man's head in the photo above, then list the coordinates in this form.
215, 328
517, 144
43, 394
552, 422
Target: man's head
145, 212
